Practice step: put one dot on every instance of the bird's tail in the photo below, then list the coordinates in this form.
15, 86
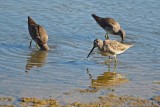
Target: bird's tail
128, 45
31, 21
97, 18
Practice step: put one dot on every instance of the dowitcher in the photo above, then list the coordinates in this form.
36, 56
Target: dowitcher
110, 26
38, 34
109, 48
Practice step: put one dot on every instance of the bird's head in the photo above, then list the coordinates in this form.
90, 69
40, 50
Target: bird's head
96, 43
122, 34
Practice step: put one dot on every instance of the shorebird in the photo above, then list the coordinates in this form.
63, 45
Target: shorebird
109, 48
38, 34
110, 26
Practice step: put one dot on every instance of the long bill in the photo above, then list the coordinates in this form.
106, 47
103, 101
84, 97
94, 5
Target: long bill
91, 51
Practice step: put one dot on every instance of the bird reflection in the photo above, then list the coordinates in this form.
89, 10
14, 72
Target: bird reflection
36, 59
106, 79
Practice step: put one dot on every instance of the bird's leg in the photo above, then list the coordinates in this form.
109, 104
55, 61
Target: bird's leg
115, 63
30, 44
106, 36
109, 68
109, 58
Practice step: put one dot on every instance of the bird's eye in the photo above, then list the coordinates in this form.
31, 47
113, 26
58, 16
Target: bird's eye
95, 41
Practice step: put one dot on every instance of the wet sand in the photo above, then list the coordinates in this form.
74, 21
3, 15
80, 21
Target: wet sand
112, 99
109, 100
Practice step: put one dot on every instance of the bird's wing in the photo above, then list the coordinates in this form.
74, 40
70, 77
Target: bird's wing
33, 31
117, 45
38, 34
32, 28
111, 23
114, 47
42, 34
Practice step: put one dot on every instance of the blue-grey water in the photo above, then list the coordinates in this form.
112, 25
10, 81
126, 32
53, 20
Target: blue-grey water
26, 72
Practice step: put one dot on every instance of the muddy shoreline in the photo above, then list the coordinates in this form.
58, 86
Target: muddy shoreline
109, 100
105, 81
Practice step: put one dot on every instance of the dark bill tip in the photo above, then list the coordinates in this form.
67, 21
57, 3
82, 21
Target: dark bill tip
122, 39
90, 51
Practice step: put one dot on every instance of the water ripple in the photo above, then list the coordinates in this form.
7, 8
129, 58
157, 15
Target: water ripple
71, 31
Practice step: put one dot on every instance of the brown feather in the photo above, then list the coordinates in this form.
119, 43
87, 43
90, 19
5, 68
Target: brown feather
38, 33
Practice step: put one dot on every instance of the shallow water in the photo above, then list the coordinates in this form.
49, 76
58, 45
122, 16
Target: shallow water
28, 72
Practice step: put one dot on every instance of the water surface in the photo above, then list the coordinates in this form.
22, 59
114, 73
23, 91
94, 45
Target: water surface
28, 72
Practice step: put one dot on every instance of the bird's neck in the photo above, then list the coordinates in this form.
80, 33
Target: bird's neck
43, 46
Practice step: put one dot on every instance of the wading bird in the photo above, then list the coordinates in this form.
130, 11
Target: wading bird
110, 26
109, 48
38, 34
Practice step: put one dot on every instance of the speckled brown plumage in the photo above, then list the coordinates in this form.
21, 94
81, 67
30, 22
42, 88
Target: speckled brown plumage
109, 48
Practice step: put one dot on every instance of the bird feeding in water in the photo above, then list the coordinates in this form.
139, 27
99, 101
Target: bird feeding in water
38, 34
110, 48
110, 26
